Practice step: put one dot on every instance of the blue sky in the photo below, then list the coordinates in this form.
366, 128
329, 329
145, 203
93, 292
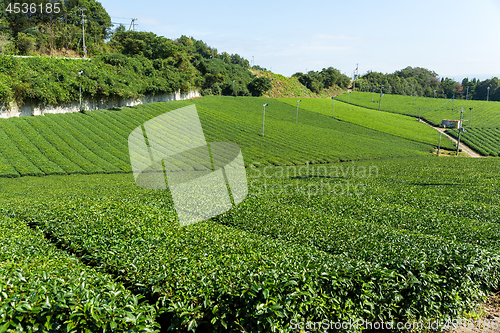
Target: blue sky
453, 38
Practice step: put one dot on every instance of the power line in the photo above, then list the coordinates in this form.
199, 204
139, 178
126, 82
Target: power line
121, 18
460, 128
438, 106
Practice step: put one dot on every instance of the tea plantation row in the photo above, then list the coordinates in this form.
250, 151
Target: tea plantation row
413, 239
485, 141
391, 123
96, 142
45, 289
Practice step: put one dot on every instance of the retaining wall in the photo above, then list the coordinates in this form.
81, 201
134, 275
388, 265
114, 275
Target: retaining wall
30, 108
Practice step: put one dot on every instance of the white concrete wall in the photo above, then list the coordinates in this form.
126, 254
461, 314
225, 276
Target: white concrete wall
32, 109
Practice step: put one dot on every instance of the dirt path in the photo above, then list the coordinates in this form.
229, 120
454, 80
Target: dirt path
464, 148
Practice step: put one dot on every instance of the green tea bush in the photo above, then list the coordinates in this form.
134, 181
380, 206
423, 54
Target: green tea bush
43, 289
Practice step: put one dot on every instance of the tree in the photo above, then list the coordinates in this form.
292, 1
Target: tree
98, 23
448, 87
259, 85
481, 91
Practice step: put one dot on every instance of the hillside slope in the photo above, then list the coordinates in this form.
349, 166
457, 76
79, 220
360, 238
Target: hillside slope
96, 142
390, 123
433, 110
283, 86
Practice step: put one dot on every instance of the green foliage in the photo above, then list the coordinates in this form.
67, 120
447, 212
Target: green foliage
22, 165
51, 81
27, 148
485, 141
64, 144
283, 86
25, 44
30, 16
434, 110
402, 251
259, 85
218, 77
423, 82
43, 145
147, 44
326, 78
395, 124
44, 28
97, 141
199, 64
44, 289
98, 22
145, 64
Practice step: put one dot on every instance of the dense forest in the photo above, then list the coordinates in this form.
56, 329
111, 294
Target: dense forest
127, 64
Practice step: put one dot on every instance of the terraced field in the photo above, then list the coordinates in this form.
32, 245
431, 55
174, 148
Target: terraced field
97, 142
434, 110
390, 123
485, 141
484, 117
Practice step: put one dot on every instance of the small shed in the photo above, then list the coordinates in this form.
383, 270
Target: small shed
451, 123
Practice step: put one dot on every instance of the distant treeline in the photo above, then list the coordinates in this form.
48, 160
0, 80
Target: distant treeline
423, 82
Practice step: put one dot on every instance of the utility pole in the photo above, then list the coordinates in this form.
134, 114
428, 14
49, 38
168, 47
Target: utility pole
439, 144
297, 115
132, 24
83, 27
333, 112
414, 95
233, 87
467, 94
453, 107
355, 77
264, 119
460, 128
488, 95
470, 117
380, 100
373, 92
